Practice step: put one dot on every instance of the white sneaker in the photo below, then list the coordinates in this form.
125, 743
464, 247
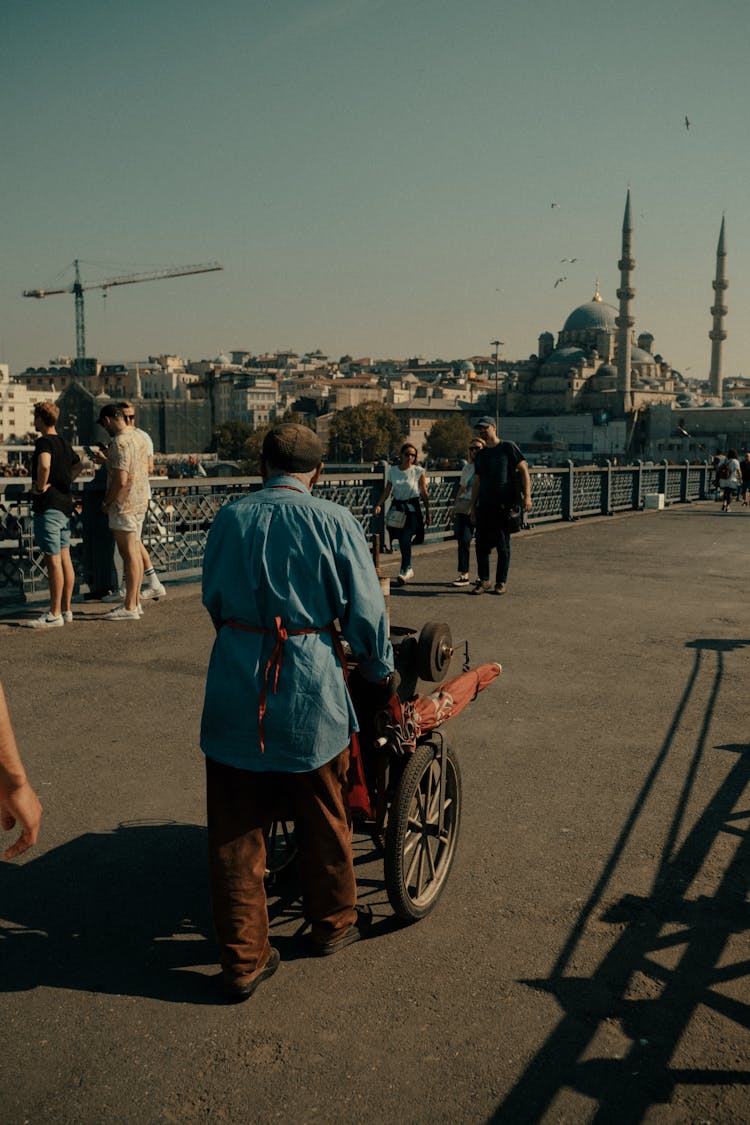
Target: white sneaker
122, 614
407, 574
68, 616
154, 591
46, 621
462, 580
115, 596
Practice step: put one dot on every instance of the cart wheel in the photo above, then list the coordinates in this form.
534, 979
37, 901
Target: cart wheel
281, 849
434, 651
418, 857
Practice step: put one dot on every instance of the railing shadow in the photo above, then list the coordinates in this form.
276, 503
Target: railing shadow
694, 932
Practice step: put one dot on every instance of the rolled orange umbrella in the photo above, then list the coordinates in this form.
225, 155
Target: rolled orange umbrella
452, 697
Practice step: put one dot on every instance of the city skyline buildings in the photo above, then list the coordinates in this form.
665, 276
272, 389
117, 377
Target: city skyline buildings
375, 179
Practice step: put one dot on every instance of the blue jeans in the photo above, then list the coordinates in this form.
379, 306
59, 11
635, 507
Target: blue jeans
464, 535
493, 534
406, 538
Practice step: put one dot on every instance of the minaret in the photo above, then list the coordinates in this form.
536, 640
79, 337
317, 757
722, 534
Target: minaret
625, 320
718, 312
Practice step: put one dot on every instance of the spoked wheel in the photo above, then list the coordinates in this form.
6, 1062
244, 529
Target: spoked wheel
281, 849
418, 855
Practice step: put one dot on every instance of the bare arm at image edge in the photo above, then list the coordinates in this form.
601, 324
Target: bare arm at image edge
19, 804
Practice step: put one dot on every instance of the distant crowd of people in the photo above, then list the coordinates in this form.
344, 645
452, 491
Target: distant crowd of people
493, 490
14, 469
117, 504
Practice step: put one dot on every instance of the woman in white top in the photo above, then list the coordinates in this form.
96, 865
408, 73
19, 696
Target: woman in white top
408, 484
730, 478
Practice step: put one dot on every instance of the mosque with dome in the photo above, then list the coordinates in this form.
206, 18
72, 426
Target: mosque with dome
579, 373
598, 365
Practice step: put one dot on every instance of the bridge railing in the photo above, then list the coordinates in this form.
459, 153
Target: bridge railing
181, 511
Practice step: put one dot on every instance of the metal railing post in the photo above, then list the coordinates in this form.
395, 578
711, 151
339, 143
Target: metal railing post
638, 486
568, 496
608, 509
684, 491
665, 481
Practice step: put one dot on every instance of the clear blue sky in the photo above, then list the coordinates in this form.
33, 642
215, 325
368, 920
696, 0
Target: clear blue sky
375, 176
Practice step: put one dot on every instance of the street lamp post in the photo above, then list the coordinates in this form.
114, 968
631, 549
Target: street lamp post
497, 344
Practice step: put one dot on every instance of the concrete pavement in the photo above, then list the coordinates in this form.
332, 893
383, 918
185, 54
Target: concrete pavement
589, 954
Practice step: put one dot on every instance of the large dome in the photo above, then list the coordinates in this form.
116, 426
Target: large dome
594, 314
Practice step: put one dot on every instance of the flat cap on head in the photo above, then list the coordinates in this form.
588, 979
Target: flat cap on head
292, 448
485, 420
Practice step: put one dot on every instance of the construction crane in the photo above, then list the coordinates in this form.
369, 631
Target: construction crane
78, 289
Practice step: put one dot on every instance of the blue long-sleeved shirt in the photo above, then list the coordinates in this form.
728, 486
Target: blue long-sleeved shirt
283, 552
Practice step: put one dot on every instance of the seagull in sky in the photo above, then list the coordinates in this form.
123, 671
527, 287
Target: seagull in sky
687, 122
559, 280
571, 260
554, 204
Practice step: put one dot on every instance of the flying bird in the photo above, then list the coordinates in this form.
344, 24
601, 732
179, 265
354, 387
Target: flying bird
560, 279
571, 260
687, 122
554, 204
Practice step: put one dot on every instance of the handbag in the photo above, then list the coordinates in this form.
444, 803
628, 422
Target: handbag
516, 519
396, 519
462, 507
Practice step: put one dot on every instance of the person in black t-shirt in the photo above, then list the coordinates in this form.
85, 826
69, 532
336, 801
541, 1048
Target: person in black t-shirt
54, 467
501, 480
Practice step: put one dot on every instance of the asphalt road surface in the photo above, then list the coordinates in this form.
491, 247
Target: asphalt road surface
589, 958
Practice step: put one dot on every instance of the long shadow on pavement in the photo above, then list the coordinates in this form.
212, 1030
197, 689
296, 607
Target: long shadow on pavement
115, 912
127, 913
691, 934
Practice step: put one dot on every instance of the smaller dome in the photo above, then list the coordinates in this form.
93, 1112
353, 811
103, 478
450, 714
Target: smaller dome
466, 366
638, 355
564, 357
607, 369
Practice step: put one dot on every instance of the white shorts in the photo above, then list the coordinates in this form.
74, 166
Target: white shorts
118, 521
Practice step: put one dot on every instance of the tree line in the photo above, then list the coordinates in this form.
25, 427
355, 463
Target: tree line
365, 433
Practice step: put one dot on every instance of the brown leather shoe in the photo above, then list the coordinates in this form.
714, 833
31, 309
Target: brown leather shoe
236, 993
356, 932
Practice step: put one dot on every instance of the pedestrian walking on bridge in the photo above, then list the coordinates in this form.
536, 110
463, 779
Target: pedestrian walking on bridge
501, 480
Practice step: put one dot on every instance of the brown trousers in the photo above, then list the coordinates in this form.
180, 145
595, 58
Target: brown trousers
241, 805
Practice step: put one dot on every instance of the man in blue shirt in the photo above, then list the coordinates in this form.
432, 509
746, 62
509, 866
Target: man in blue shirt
281, 566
